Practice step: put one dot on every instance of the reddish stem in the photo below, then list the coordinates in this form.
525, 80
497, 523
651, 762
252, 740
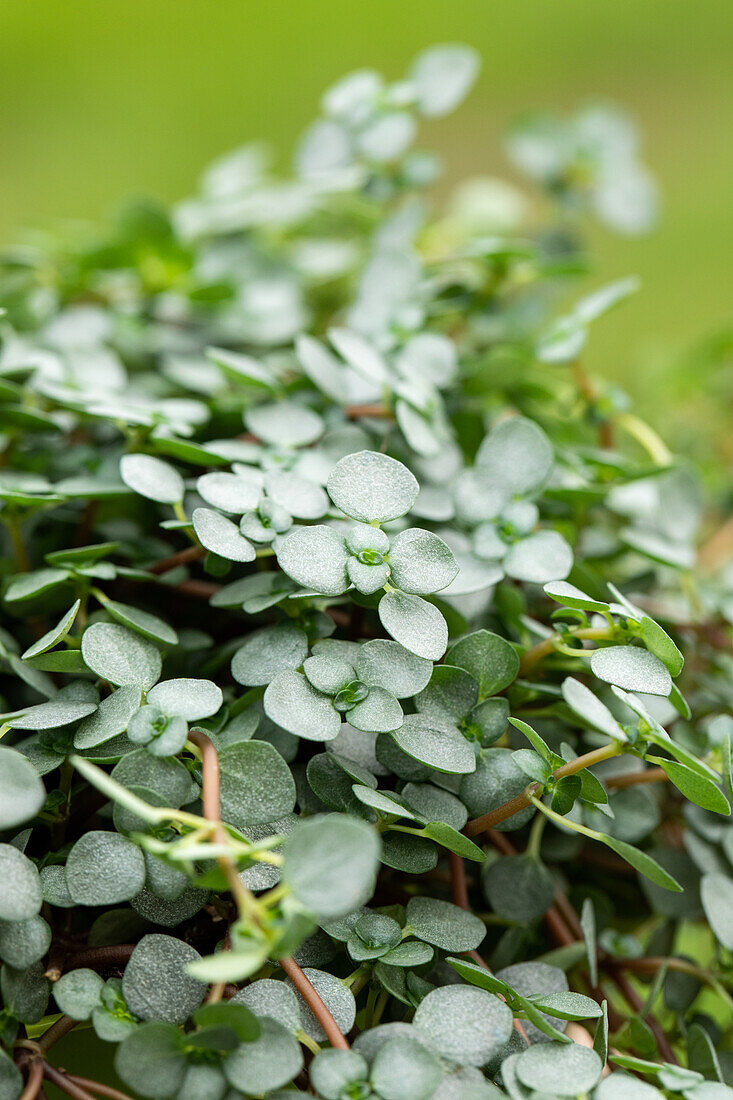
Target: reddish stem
312, 998
183, 557
33, 1082
100, 958
459, 888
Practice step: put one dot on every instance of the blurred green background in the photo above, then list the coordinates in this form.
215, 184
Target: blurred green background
101, 98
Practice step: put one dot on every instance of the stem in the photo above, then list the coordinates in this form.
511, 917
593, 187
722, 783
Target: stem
57, 1031
649, 775
521, 801
97, 1086
459, 888
646, 436
546, 647
13, 525
312, 998
375, 410
183, 557
65, 1083
100, 958
34, 1081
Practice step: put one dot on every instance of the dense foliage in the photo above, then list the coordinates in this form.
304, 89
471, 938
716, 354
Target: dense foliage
348, 745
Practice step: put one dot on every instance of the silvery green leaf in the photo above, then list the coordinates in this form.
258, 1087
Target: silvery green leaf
599, 301
582, 700
370, 486
20, 898
632, 669
294, 704
169, 778
277, 1000
296, 495
28, 585
104, 868
367, 578
331, 864
151, 1060
228, 492
405, 1070
496, 780
716, 891
22, 793
622, 1086
267, 652
256, 784
25, 992
386, 136
11, 1080
387, 664
562, 342
426, 436
378, 713
420, 562
328, 674
450, 695
480, 1024
142, 622
441, 747
191, 699
488, 658
55, 890
362, 536
332, 1072
24, 942
415, 624
219, 535
152, 478
316, 558
570, 596
660, 548
78, 992
474, 575
384, 802
442, 77
110, 718
156, 985
265, 1064
169, 914
256, 593
517, 455
518, 888
242, 368
565, 1069
284, 420
434, 804
120, 656
52, 715
322, 367
429, 355
338, 999
544, 556
55, 635
362, 356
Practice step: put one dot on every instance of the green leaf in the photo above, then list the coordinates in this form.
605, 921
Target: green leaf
450, 838
78, 992
489, 658
439, 746
563, 1069
444, 925
151, 1060
570, 596
537, 743
568, 1006
55, 635
387, 664
267, 652
20, 898
697, 788
420, 562
220, 536
370, 486
228, 492
104, 868
156, 985
315, 557
415, 624
191, 699
330, 864
517, 454
109, 719
120, 656
404, 1069
152, 478
142, 622
716, 892
588, 924
256, 784
543, 556
22, 793
643, 863
518, 887
293, 703
658, 642
267, 1063
480, 1024
632, 669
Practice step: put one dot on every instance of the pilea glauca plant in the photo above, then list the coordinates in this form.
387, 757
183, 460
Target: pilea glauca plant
365, 714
